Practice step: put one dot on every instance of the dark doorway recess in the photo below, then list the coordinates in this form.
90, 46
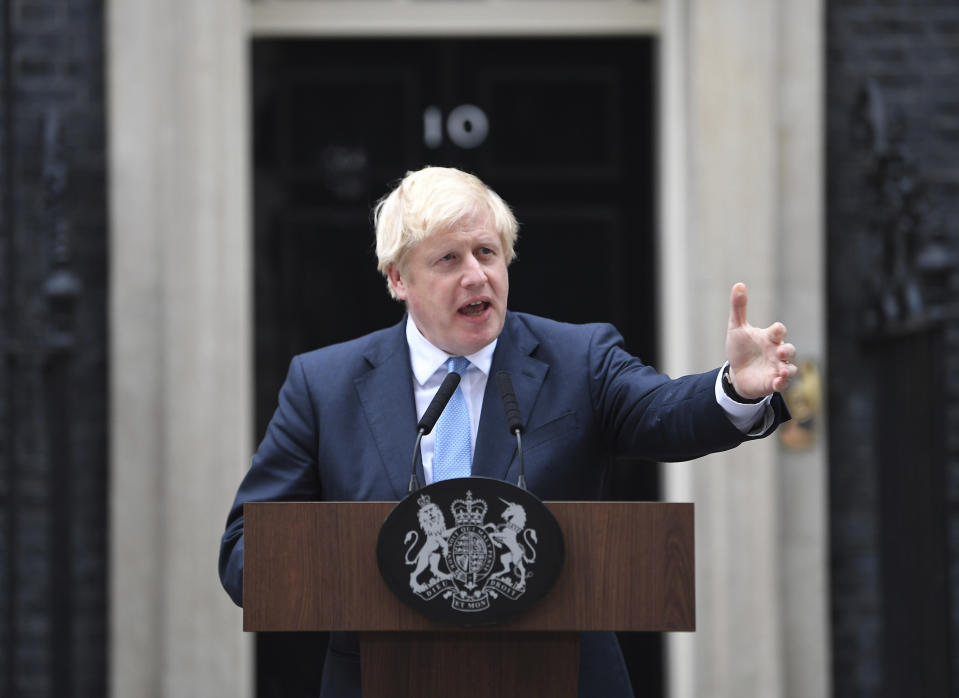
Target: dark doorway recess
562, 129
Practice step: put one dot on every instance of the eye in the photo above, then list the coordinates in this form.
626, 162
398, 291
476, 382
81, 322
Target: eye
448, 257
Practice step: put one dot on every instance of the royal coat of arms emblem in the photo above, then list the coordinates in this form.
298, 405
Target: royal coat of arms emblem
470, 557
473, 561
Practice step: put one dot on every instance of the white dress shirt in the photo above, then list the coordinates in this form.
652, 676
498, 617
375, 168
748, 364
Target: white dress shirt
744, 415
429, 370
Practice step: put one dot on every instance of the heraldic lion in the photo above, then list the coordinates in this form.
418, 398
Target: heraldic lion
434, 527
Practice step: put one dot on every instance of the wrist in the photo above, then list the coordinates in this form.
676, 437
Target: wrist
730, 389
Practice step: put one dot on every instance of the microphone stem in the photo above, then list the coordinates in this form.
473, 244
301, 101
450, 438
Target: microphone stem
521, 481
414, 481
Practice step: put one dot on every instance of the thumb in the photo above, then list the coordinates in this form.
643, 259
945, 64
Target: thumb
737, 306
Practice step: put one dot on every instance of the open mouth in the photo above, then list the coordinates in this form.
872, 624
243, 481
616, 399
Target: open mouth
474, 309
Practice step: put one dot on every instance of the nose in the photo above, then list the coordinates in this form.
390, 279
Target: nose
474, 274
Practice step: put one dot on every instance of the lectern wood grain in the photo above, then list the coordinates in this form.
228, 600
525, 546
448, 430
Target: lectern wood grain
490, 665
312, 566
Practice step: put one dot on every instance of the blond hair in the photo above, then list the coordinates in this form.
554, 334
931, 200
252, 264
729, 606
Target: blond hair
430, 201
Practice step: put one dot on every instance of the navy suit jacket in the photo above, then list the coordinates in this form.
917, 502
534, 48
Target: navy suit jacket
346, 421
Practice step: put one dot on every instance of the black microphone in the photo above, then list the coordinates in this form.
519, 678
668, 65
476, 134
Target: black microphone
438, 404
514, 419
428, 421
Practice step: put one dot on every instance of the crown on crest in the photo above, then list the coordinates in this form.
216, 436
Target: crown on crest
423, 500
469, 510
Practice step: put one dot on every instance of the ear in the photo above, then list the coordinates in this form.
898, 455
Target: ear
396, 281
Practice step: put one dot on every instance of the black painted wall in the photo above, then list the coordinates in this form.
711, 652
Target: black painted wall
53, 333
893, 244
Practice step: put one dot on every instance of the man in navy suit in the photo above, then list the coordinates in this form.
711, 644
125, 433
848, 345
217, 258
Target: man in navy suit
347, 413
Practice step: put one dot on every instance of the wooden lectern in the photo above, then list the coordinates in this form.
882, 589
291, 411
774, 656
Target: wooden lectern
312, 566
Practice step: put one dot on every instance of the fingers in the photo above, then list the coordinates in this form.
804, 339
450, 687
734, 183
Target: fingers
786, 374
786, 352
737, 306
787, 371
776, 332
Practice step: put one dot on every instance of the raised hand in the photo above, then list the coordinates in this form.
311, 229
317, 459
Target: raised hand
760, 362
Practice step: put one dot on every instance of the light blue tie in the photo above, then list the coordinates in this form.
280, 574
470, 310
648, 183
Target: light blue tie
451, 450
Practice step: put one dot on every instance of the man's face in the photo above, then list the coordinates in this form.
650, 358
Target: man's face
455, 285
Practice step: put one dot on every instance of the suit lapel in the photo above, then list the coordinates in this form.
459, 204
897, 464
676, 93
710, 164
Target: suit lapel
495, 446
386, 394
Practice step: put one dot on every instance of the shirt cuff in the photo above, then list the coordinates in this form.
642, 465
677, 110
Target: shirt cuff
752, 419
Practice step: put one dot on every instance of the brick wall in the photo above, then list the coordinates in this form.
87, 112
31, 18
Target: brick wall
909, 53
53, 468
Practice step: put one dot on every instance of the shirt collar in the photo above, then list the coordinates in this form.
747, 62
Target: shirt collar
425, 358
